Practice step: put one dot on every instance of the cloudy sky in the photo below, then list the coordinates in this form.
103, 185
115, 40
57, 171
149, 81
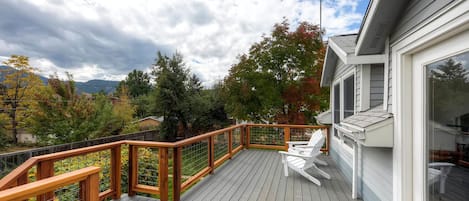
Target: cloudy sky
106, 39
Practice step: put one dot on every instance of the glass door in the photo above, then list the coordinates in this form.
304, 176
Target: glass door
447, 128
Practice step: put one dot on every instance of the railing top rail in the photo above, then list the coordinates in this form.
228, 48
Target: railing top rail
28, 190
20, 170
205, 136
149, 144
77, 152
289, 126
23, 168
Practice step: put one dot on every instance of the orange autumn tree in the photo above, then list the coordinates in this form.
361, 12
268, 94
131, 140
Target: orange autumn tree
18, 86
279, 79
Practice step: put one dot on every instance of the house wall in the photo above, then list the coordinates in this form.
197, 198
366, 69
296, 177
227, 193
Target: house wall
417, 11
342, 158
413, 18
376, 163
376, 84
376, 173
341, 69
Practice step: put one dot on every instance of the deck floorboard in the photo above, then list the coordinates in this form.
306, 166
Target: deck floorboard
258, 175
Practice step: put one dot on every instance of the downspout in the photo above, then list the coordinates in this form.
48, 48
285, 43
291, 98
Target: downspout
357, 156
356, 170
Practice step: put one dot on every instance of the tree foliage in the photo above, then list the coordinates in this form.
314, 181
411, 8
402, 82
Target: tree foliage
171, 94
278, 80
137, 83
181, 100
63, 116
449, 90
17, 91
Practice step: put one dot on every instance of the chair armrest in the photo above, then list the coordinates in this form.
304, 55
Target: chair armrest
293, 154
304, 146
297, 142
440, 164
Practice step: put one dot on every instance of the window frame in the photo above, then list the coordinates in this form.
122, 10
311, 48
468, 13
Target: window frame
340, 80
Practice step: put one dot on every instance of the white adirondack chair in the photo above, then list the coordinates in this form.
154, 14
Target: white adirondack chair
439, 172
301, 162
304, 147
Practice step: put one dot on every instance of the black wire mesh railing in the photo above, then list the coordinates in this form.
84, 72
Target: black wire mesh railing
267, 135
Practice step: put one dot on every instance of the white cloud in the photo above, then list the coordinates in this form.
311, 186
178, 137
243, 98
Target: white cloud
210, 34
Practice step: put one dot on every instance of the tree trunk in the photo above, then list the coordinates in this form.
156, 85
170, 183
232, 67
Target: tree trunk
14, 124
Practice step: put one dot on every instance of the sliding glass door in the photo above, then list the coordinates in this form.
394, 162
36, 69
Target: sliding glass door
447, 128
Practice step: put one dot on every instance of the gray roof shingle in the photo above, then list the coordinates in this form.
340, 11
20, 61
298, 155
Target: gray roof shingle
368, 118
346, 42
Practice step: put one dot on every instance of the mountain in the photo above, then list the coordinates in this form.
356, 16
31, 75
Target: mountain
95, 86
91, 86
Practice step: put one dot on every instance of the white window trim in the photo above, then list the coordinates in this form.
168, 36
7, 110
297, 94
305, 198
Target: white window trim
343, 78
386, 75
451, 47
340, 81
337, 81
407, 176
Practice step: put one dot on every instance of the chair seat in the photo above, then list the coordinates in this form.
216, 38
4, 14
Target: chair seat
433, 175
295, 161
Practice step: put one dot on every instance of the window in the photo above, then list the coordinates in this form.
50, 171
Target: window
348, 141
336, 99
349, 94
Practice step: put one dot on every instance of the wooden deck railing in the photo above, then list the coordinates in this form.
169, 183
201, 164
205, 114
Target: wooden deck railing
88, 179
163, 169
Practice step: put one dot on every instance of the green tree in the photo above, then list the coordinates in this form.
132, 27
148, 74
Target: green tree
137, 83
212, 111
171, 76
448, 87
278, 80
62, 116
18, 88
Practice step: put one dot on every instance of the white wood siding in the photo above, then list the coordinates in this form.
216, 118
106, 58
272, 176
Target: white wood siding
377, 174
376, 84
416, 13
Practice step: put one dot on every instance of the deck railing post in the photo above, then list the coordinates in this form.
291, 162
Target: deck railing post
132, 174
45, 169
116, 172
328, 141
163, 173
177, 168
242, 133
89, 188
286, 136
211, 153
22, 179
230, 143
248, 136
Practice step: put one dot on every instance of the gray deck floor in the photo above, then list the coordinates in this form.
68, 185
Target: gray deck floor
125, 197
258, 175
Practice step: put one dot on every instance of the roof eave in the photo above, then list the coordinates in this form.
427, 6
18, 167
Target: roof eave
378, 23
330, 61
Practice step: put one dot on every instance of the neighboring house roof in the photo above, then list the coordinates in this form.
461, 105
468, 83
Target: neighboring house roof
343, 47
160, 119
380, 19
373, 128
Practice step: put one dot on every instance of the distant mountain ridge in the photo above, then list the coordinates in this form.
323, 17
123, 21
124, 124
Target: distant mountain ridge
91, 86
